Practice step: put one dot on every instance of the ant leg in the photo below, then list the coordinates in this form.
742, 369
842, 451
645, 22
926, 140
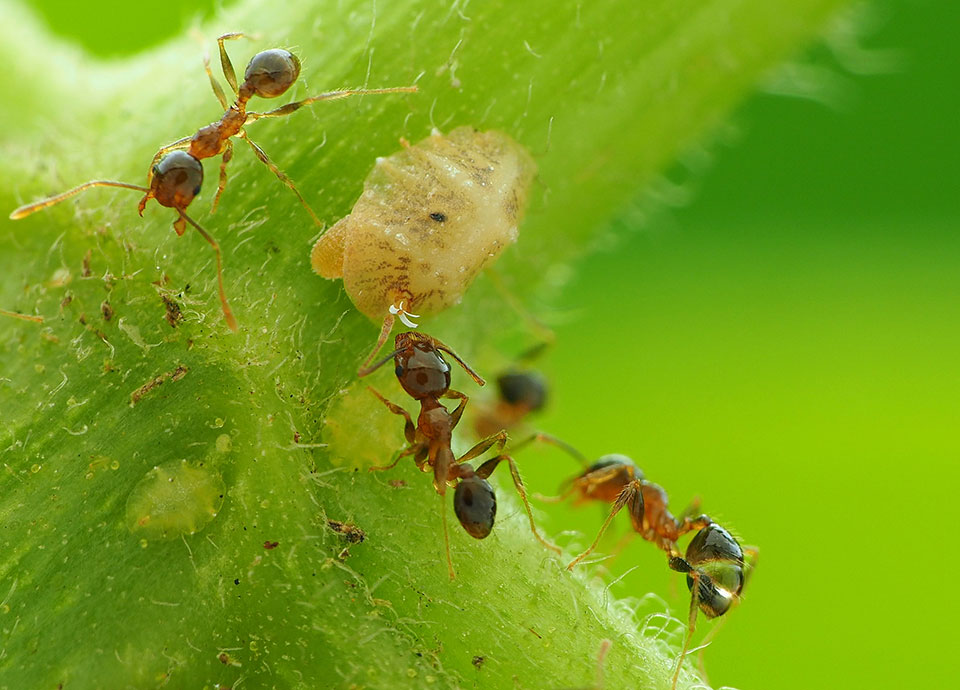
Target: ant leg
385, 329
409, 450
26, 210
688, 524
574, 484
225, 63
265, 159
227, 155
487, 468
289, 108
537, 326
541, 437
409, 428
499, 439
692, 509
215, 85
560, 498
691, 623
621, 545
457, 413
25, 317
227, 312
752, 556
631, 494
446, 536
183, 143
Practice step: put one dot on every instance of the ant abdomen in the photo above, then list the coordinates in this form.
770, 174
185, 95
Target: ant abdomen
271, 72
718, 559
523, 388
177, 179
475, 504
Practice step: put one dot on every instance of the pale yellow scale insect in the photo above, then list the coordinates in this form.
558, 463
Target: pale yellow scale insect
431, 217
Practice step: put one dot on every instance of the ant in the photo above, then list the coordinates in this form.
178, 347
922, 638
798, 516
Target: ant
714, 561
520, 393
175, 175
425, 376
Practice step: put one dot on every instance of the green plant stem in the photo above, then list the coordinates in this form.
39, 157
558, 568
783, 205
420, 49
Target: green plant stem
603, 94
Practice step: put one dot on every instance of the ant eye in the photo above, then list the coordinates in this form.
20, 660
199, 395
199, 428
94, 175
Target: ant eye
177, 178
476, 506
399, 370
272, 72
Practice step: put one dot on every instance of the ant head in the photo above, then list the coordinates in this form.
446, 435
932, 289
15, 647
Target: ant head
271, 72
177, 178
524, 388
718, 559
420, 368
475, 505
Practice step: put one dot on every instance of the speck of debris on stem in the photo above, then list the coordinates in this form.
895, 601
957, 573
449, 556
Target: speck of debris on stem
173, 314
350, 532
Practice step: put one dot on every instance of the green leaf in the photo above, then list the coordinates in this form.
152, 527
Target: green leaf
121, 564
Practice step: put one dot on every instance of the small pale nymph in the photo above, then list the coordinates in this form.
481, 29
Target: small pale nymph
431, 217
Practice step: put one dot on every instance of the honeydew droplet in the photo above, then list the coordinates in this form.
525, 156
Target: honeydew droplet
224, 443
172, 499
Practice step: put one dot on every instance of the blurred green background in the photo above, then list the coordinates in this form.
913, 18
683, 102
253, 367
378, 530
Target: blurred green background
782, 343
785, 346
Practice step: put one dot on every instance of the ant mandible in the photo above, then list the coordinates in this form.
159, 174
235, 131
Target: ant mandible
175, 175
714, 561
425, 376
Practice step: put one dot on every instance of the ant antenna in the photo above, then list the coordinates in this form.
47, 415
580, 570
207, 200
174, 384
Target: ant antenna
369, 370
466, 367
25, 211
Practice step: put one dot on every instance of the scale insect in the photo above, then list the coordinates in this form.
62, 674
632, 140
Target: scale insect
175, 175
431, 217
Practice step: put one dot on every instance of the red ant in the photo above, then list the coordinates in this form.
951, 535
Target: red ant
176, 175
714, 561
520, 393
425, 376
